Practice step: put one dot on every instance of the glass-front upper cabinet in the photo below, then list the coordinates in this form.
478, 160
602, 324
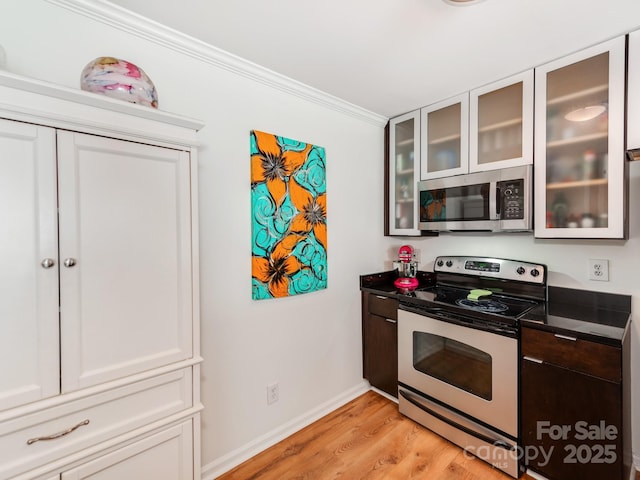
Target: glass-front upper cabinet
403, 174
445, 138
579, 142
501, 124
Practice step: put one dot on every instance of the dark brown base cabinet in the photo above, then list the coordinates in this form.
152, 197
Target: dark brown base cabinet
575, 409
380, 342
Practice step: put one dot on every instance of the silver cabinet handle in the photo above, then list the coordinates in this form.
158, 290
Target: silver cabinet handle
59, 434
532, 359
565, 337
390, 320
48, 263
69, 262
381, 297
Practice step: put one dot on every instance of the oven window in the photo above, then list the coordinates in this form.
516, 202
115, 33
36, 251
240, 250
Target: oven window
453, 362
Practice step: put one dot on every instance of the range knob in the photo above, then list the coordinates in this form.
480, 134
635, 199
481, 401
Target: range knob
449, 263
520, 270
440, 263
535, 272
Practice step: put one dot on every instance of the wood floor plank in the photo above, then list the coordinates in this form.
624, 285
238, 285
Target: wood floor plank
365, 439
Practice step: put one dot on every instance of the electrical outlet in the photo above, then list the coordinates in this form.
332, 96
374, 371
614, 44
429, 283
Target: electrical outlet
273, 393
599, 270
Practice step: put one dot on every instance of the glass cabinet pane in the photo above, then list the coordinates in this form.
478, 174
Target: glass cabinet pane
580, 173
443, 138
500, 124
404, 174
577, 144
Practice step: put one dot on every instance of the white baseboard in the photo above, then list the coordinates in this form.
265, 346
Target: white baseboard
535, 475
384, 394
239, 455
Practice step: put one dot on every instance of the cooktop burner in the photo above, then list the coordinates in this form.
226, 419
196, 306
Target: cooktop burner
490, 306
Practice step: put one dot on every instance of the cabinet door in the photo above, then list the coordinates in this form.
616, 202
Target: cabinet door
571, 423
125, 247
29, 259
445, 138
633, 92
164, 456
381, 353
580, 157
404, 173
501, 124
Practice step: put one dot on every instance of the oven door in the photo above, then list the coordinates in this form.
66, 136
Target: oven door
468, 369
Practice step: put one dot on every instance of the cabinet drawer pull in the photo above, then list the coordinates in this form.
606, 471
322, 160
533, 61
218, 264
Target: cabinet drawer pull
390, 320
381, 297
531, 359
565, 337
59, 434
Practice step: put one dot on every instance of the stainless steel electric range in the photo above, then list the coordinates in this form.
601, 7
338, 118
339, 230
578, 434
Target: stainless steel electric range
458, 353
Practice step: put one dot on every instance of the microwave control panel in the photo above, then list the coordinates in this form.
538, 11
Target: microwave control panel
512, 199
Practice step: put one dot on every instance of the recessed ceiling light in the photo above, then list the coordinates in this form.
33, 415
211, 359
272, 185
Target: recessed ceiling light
459, 3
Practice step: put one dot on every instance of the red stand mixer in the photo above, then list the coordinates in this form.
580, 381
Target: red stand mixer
407, 269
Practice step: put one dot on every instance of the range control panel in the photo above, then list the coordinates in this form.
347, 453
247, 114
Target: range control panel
492, 267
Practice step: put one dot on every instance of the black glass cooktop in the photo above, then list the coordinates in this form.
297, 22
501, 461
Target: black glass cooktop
494, 304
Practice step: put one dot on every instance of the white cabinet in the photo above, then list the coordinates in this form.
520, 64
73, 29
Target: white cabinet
124, 263
161, 456
125, 224
403, 174
99, 335
445, 138
579, 143
29, 334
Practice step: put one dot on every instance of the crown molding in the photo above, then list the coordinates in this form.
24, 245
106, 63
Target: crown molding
134, 24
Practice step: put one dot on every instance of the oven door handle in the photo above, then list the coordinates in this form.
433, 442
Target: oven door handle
493, 441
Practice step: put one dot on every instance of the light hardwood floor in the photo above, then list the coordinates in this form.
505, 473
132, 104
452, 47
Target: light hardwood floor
365, 439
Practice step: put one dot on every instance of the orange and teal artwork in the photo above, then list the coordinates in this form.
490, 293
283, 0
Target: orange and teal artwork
288, 216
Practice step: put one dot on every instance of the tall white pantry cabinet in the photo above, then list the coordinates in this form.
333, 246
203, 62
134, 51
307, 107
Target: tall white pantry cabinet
99, 305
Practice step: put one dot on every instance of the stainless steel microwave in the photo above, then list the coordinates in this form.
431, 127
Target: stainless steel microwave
491, 201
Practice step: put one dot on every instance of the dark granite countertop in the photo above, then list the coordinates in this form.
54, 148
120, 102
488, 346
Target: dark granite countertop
382, 283
589, 315
595, 316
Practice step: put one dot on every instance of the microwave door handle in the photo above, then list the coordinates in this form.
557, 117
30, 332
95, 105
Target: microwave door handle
494, 209
498, 201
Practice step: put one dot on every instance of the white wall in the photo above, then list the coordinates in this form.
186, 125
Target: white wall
310, 344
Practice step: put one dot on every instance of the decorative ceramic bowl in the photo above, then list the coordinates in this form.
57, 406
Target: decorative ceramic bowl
119, 79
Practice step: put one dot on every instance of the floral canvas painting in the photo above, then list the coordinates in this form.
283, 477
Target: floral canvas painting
288, 216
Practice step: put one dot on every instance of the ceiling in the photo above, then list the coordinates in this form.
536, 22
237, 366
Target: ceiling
392, 56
